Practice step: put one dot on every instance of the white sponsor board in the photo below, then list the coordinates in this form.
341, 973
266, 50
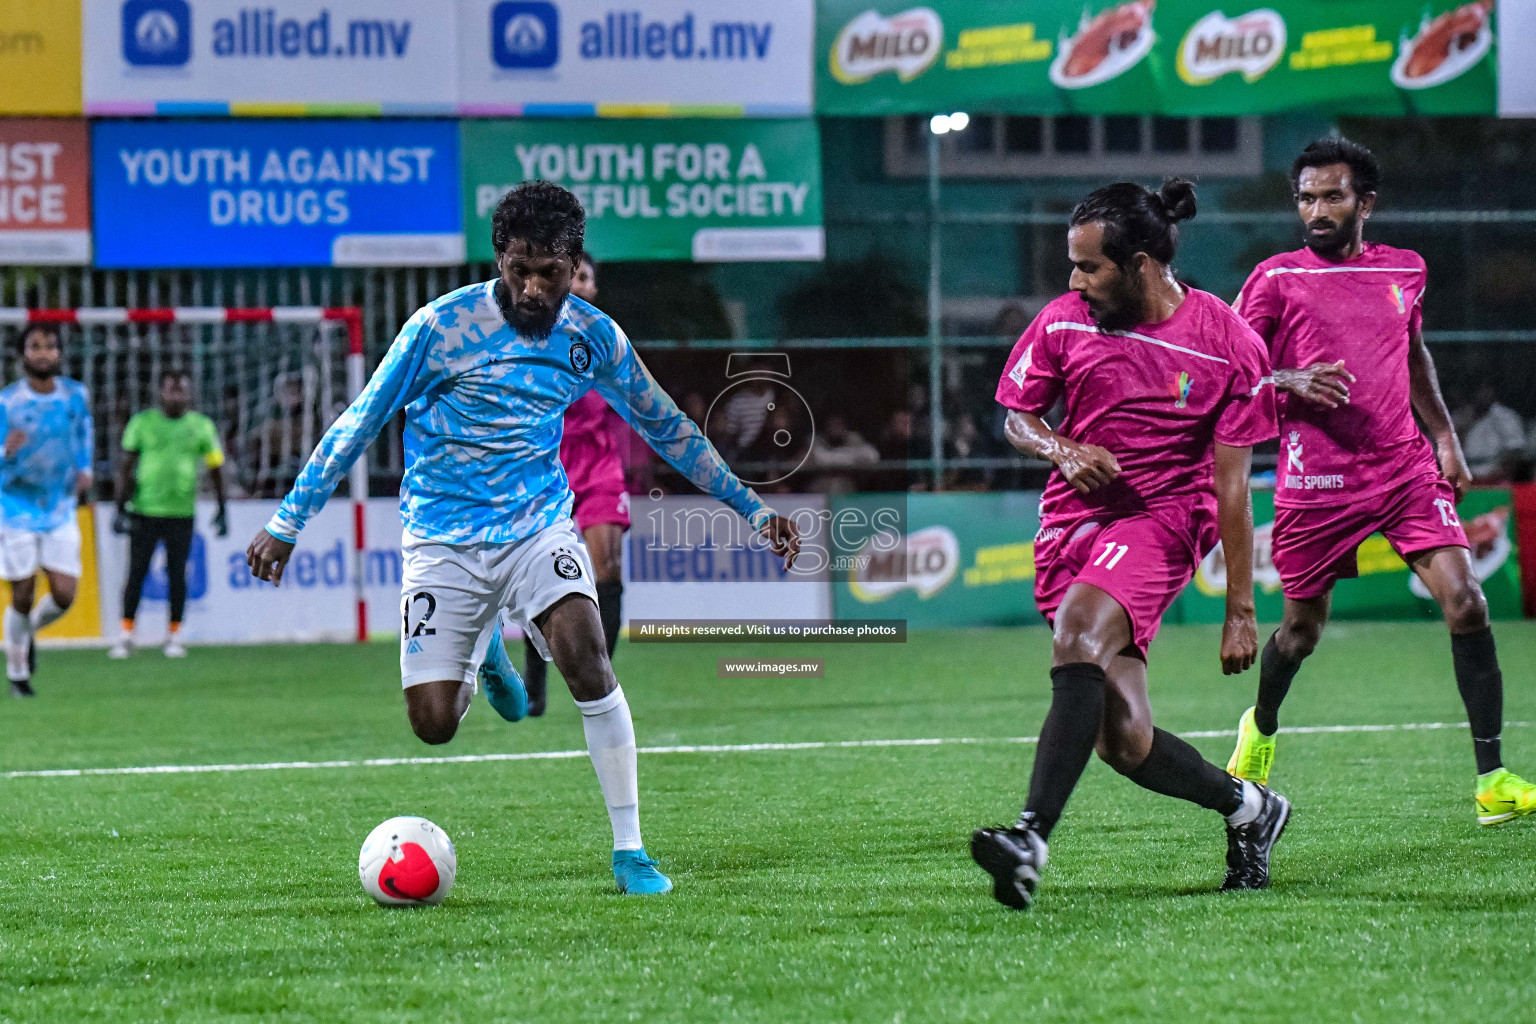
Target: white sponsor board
1517, 72
685, 559
225, 604
205, 56
580, 56
693, 558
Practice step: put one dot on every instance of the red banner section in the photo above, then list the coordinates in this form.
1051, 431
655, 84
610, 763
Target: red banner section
1525, 531
45, 191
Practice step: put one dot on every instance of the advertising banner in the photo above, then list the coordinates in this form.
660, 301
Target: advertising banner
967, 560
701, 189
1517, 72
276, 193
671, 58
226, 604
39, 57
1175, 57
694, 558
1386, 588
45, 191
275, 58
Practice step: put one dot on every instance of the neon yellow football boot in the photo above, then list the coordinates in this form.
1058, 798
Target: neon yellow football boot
1255, 753
1502, 795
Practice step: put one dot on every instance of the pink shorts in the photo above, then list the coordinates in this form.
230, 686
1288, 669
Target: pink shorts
1313, 548
1137, 560
602, 507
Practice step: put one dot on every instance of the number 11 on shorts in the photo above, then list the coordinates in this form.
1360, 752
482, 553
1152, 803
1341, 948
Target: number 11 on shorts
1111, 549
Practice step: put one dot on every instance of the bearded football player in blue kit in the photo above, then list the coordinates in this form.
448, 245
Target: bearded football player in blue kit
485, 375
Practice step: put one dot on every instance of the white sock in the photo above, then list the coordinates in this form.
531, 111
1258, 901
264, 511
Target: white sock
45, 611
18, 630
1253, 802
611, 743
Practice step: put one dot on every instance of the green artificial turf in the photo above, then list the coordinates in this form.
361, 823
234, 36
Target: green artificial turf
821, 884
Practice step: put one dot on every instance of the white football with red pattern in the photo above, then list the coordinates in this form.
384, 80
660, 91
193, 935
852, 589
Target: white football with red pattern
407, 860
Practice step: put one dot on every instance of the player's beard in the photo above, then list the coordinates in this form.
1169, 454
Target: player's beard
43, 370
535, 325
1335, 241
1123, 307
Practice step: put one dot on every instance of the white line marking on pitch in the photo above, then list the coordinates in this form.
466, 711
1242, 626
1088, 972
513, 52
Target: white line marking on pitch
732, 748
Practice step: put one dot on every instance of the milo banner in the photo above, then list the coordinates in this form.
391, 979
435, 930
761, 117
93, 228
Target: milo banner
1175, 57
707, 189
1385, 588
967, 560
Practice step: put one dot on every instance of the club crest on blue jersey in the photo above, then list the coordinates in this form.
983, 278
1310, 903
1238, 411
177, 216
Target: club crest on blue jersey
581, 356
1180, 389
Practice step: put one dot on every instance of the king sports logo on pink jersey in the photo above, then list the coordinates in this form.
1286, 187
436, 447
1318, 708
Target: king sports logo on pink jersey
1363, 312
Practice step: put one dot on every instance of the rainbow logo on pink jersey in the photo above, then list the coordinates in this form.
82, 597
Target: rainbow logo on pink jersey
1397, 297
1180, 390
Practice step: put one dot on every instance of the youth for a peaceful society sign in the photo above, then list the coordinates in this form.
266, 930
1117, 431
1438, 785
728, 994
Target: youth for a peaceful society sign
277, 193
707, 190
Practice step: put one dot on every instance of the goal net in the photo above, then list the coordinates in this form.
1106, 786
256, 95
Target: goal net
271, 379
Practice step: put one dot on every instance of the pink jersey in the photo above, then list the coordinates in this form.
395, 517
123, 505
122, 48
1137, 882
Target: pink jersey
1158, 398
1363, 311
590, 449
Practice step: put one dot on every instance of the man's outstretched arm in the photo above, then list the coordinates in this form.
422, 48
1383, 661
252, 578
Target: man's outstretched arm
1234, 511
1424, 392
627, 385
401, 378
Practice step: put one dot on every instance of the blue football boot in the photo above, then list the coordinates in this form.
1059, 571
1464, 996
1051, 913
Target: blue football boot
636, 873
502, 685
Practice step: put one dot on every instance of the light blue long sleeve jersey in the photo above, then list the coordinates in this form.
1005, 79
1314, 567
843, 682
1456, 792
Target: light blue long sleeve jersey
484, 407
37, 484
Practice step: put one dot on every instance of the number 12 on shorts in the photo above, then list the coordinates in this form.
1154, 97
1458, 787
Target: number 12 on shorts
1114, 552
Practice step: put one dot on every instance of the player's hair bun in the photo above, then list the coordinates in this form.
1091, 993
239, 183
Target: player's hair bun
1178, 198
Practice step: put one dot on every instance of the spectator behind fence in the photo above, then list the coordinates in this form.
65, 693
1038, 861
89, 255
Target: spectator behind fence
838, 448
1495, 442
157, 499
896, 445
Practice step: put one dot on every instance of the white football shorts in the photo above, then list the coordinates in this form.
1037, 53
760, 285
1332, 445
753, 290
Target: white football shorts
22, 552
452, 595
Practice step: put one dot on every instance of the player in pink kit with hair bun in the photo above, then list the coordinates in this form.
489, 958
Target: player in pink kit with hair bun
590, 452
1343, 320
1166, 391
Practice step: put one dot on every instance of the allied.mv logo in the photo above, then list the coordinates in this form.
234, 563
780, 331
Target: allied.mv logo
157, 33
525, 34
1397, 297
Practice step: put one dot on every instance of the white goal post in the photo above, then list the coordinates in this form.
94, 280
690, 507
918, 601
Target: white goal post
116, 393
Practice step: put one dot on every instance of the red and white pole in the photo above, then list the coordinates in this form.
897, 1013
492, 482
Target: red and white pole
356, 377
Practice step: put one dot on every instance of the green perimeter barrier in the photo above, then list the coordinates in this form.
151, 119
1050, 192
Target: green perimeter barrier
970, 561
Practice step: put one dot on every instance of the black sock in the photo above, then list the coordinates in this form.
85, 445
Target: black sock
610, 596
535, 668
1174, 768
1066, 740
1275, 674
1482, 691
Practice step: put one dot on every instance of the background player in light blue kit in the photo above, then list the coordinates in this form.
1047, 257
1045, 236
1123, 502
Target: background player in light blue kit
485, 375
45, 469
